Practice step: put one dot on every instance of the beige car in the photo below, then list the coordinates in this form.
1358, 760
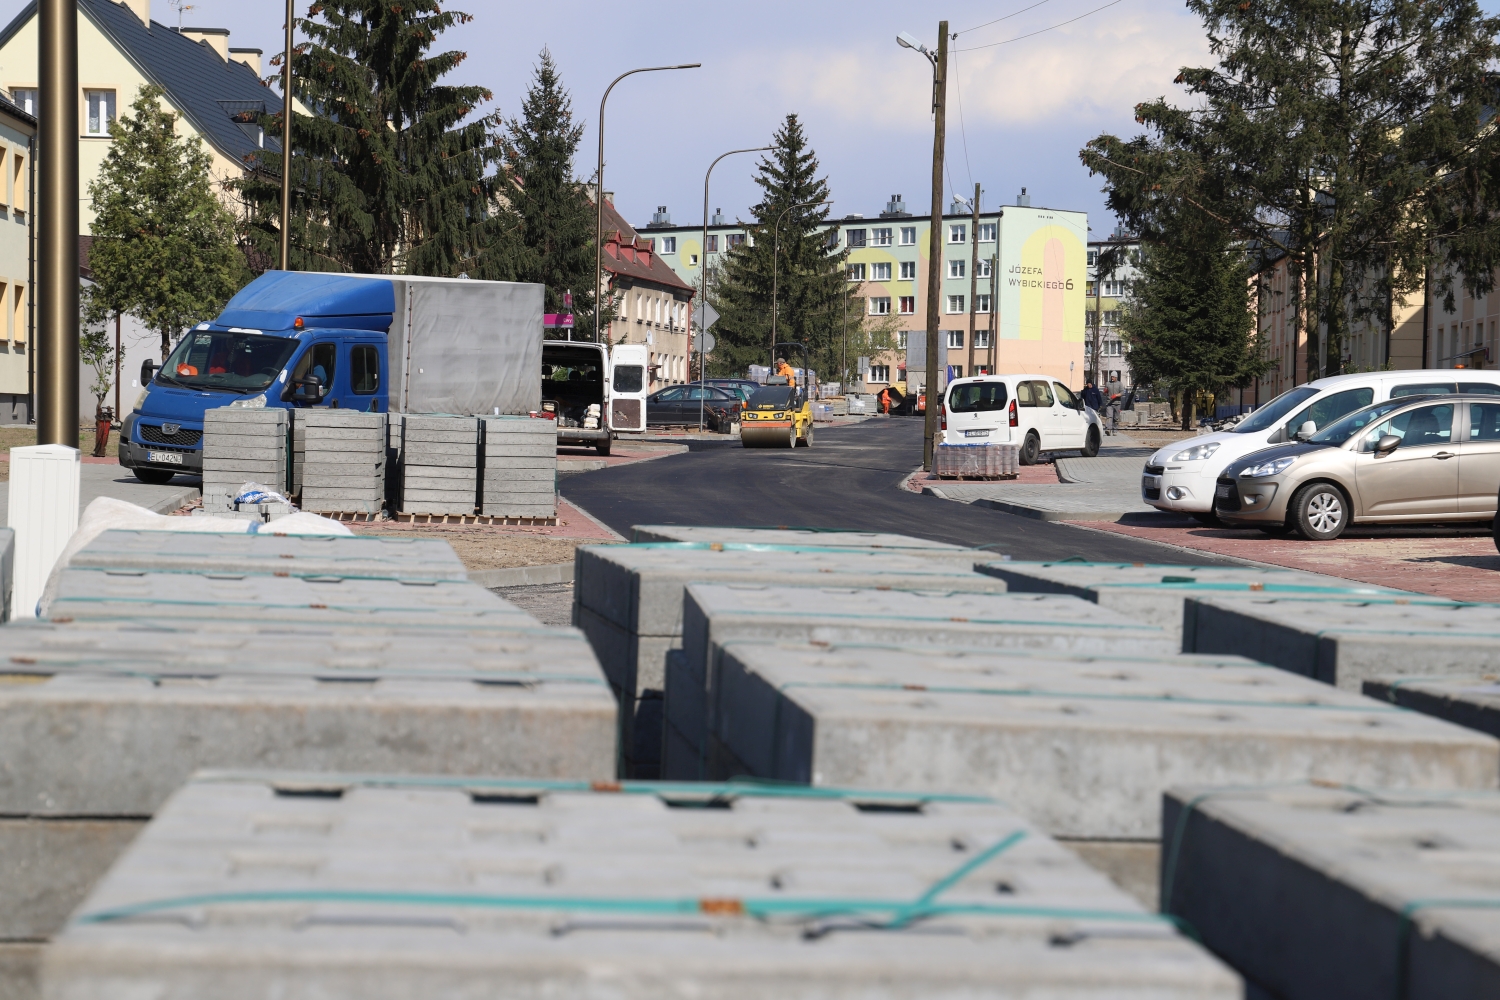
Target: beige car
1416, 459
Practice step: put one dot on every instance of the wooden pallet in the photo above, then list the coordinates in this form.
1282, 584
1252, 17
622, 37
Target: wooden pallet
476, 519
353, 516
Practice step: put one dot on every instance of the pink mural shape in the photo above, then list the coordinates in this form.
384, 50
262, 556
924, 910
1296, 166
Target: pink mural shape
1054, 275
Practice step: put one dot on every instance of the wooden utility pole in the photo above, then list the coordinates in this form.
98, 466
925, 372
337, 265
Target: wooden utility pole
935, 243
973, 278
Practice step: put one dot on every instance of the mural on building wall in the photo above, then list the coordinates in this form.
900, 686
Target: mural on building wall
1042, 279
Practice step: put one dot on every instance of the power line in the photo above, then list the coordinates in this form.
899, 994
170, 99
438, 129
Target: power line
1007, 17
958, 87
1060, 24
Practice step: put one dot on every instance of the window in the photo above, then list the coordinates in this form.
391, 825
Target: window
669, 244
956, 269
1088, 289
25, 99
712, 246
1111, 317
982, 303
879, 373
364, 369
880, 272
1093, 257
982, 339
18, 329
856, 272
1066, 397
977, 397
901, 339
958, 233
1033, 394
986, 232
955, 303
320, 362
955, 339
854, 237
984, 269
629, 378
955, 372
908, 236
692, 260
908, 270
880, 306
732, 240
880, 237
1429, 426
1484, 422
1329, 408
908, 305
1115, 289
1487, 388
1421, 389
100, 111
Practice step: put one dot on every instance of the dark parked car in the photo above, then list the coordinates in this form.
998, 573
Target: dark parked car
742, 387
681, 404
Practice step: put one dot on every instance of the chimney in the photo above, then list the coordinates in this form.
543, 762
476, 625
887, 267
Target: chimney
661, 220
717, 219
217, 39
141, 9
895, 208
1023, 199
250, 57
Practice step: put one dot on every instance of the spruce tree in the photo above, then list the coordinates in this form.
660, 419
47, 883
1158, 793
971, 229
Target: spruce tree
556, 236
389, 174
809, 275
163, 248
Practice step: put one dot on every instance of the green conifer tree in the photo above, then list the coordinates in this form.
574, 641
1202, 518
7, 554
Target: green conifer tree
163, 248
556, 215
809, 275
389, 174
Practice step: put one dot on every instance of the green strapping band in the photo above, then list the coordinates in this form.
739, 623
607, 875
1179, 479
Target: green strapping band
946, 620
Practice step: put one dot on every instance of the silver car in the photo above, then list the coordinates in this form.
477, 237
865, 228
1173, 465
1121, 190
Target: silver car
1416, 459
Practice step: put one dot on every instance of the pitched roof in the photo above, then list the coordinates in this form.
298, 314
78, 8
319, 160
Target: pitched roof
656, 271
208, 90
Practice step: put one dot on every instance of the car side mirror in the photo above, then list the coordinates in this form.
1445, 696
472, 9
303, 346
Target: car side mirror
1307, 430
1387, 444
309, 389
148, 370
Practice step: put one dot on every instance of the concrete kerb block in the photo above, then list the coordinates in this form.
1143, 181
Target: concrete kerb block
1472, 702
634, 852
1339, 894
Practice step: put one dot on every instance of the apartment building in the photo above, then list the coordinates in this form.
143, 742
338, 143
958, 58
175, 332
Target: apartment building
653, 304
17, 138
1105, 301
1029, 287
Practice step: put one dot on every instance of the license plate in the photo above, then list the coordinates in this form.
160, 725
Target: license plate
164, 457
1224, 492
977, 434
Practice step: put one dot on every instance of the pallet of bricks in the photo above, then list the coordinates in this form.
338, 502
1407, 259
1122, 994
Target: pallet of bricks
243, 445
520, 467
976, 461
339, 461
439, 464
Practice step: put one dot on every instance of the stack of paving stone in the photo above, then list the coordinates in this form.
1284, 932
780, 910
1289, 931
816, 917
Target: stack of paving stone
628, 601
475, 887
1472, 702
240, 446
339, 460
1317, 892
520, 467
439, 464
975, 460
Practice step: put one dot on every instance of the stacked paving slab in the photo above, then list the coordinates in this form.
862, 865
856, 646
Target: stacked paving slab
340, 461
440, 464
513, 889
520, 467
1471, 701
243, 446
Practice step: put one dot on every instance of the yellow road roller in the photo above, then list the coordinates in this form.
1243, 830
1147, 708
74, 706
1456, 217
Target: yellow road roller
779, 413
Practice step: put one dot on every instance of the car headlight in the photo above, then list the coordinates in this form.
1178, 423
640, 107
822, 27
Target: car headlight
1197, 453
1273, 468
253, 403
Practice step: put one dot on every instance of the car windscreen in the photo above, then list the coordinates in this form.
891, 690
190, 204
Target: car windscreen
229, 362
772, 397
1346, 427
1270, 415
975, 397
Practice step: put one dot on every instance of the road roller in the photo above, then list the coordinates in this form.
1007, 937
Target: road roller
779, 413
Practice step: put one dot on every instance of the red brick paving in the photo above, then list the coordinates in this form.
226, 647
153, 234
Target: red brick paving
1453, 562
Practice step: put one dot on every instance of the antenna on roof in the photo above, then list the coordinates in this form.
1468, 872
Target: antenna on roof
182, 8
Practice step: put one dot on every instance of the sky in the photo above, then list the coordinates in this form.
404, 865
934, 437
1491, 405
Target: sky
1018, 112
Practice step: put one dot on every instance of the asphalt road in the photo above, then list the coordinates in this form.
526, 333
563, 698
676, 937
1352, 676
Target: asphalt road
848, 479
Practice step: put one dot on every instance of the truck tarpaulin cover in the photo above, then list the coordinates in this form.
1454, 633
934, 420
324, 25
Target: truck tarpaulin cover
468, 347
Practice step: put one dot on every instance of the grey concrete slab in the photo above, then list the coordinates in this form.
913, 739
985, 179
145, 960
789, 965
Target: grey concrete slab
1122, 471
37, 892
1085, 748
785, 536
20, 970
1472, 702
1349, 642
1156, 593
1318, 893
691, 902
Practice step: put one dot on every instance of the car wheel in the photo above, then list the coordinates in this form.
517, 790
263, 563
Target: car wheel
1031, 448
155, 477
1091, 445
1320, 511
603, 446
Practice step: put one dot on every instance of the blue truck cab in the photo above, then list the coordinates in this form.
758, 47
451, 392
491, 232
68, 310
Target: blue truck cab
288, 339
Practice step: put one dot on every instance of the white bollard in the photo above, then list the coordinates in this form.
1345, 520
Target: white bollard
43, 510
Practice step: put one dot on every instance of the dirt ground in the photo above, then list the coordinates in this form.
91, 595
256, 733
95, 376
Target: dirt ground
483, 546
22, 437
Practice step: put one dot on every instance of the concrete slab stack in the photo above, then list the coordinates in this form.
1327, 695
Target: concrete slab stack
719, 615
1156, 594
628, 601
440, 464
242, 446
1341, 894
249, 886
341, 460
1472, 702
1349, 642
520, 467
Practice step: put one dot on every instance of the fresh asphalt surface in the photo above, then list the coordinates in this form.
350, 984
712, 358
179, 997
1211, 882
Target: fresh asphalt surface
849, 479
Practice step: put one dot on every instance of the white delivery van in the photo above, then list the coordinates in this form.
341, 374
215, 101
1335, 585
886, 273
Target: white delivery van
1182, 476
627, 388
1037, 413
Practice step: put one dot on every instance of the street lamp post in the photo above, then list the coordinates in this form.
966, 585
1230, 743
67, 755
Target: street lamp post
939, 60
599, 191
703, 273
776, 265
